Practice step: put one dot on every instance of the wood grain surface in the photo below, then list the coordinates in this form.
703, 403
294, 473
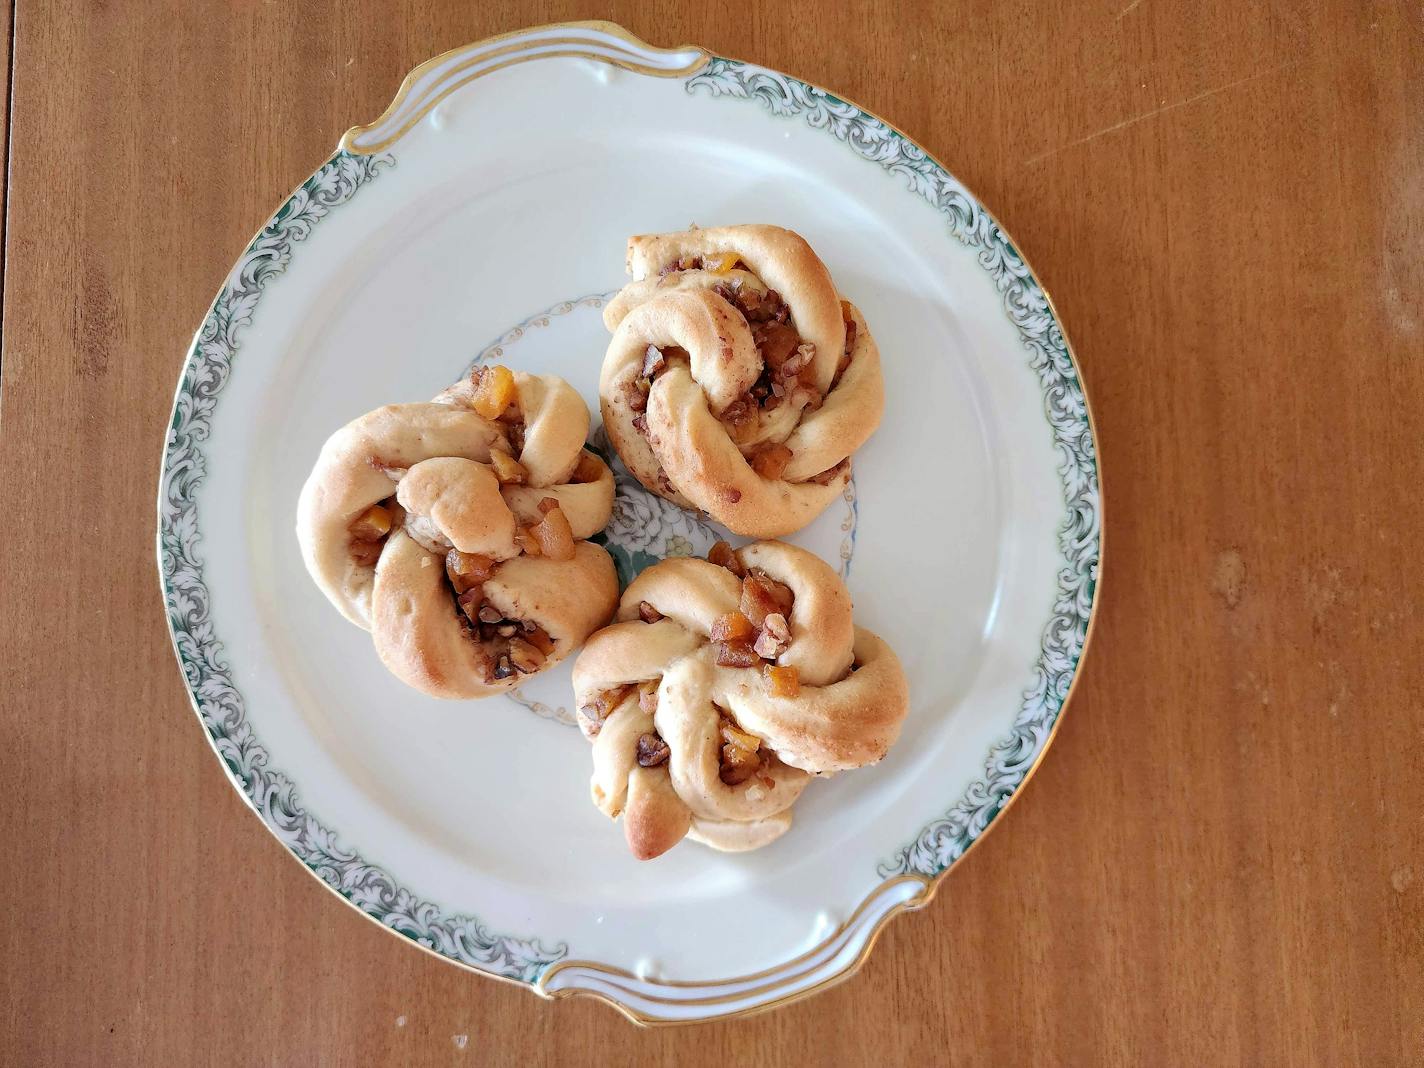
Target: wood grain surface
1222, 859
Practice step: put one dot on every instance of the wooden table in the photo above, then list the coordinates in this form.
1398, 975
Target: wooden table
1222, 861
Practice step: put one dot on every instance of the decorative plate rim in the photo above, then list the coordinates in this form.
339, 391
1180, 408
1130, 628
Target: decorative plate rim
528, 962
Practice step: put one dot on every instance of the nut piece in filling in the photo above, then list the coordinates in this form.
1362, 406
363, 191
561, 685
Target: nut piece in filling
592, 716
652, 750
760, 630
741, 753
504, 647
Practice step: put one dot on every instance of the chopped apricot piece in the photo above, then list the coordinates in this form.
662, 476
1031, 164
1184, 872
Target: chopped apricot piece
494, 389
740, 757
734, 735
722, 263
553, 534
467, 569
759, 599
373, 523
539, 638
736, 654
588, 469
771, 460
785, 681
527, 542
507, 469
733, 627
721, 554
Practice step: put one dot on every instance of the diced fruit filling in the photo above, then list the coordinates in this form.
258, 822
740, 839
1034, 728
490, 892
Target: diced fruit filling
635, 390
551, 536
507, 469
588, 469
467, 570
368, 531
494, 391
784, 355
504, 646
733, 627
758, 632
771, 459
593, 715
850, 332
494, 396
717, 263
647, 613
652, 750
742, 754
830, 474
783, 681
722, 555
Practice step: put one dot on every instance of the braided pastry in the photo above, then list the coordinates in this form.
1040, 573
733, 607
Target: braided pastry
737, 380
722, 687
452, 531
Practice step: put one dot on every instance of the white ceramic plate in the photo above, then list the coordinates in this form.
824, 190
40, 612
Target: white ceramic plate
484, 216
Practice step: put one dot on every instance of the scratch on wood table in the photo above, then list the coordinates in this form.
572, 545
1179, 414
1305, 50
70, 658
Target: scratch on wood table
1155, 112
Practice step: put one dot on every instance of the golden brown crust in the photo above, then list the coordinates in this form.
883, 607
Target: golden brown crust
686, 453
434, 459
853, 698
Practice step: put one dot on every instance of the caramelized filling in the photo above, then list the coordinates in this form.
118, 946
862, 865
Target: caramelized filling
494, 391
594, 714
717, 263
652, 750
742, 755
368, 532
551, 536
850, 332
588, 469
784, 356
494, 396
504, 646
507, 469
758, 632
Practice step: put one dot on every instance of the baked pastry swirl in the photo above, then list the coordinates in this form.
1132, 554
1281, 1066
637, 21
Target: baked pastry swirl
738, 381
452, 531
722, 687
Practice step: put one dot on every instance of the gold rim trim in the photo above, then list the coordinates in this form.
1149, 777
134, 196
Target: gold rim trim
463, 74
931, 884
